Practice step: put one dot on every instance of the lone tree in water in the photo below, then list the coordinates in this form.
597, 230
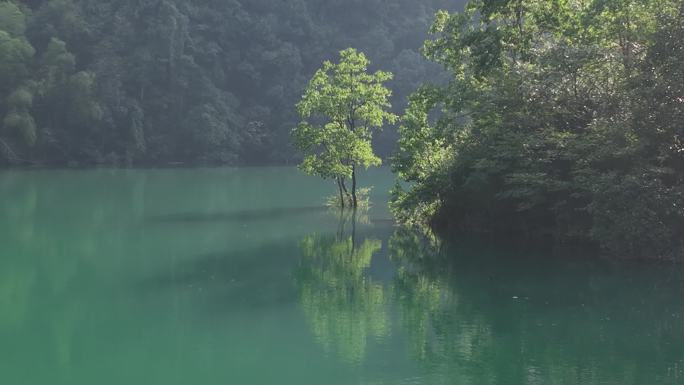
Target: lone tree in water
341, 107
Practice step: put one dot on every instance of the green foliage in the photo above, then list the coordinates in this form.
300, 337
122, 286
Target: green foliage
12, 19
47, 106
173, 81
363, 200
21, 98
23, 124
351, 103
557, 122
57, 64
14, 61
341, 107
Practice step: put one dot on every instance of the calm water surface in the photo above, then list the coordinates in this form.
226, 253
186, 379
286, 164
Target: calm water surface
238, 276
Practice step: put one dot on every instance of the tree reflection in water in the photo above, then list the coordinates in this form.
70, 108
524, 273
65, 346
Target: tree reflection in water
345, 307
440, 334
474, 314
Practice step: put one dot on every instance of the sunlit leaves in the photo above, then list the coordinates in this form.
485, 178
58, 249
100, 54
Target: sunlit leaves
341, 107
547, 99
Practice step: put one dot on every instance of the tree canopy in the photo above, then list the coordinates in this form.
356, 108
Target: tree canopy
562, 119
167, 81
341, 107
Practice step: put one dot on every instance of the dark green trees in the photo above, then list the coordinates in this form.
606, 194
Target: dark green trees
48, 106
173, 81
557, 122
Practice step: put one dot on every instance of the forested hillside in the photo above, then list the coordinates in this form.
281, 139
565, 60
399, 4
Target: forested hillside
155, 82
562, 119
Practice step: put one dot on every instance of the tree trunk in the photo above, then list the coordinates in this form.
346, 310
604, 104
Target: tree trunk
354, 201
344, 187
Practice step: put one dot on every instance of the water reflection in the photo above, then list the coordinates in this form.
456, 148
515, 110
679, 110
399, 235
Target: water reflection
484, 317
469, 314
344, 307
98, 272
445, 335
429, 305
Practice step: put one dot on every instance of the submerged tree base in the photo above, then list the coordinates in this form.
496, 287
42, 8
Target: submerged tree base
347, 201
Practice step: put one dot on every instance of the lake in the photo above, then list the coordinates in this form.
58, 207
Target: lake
241, 276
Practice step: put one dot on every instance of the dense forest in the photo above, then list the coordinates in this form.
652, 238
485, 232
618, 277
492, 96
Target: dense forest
557, 119
155, 82
561, 120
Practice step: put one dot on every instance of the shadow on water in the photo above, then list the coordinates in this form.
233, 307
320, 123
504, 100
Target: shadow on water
260, 276
219, 282
238, 215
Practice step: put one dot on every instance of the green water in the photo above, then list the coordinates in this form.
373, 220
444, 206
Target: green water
238, 276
